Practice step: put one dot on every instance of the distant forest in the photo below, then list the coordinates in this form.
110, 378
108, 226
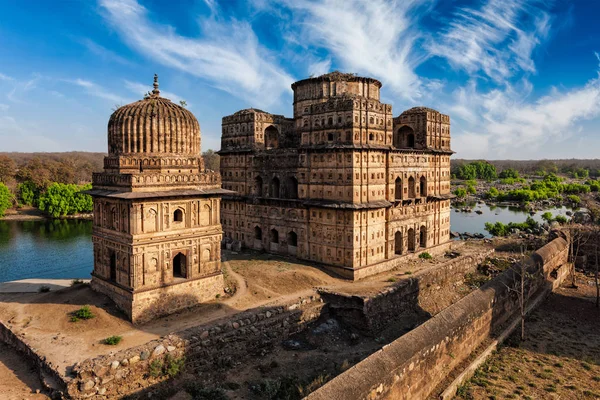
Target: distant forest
76, 167
538, 167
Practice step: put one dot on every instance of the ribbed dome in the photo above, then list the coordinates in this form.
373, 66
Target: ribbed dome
154, 125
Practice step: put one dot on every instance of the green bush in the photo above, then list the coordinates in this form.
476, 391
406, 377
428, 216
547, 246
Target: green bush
561, 219
460, 192
75, 282
29, 193
509, 173
62, 199
547, 216
492, 193
476, 170
44, 289
112, 340
574, 199
471, 189
84, 312
6, 199
425, 256
156, 368
173, 366
500, 229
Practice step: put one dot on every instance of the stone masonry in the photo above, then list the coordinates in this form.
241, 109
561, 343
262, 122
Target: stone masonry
344, 183
157, 230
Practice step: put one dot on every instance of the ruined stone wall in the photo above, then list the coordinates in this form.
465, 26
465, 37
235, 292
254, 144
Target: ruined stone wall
414, 364
205, 348
426, 292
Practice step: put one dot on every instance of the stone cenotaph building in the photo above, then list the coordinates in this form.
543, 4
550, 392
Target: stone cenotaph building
156, 228
344, 183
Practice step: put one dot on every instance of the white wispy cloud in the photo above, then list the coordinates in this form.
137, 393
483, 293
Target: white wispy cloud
375, 37
497, 38
140, 90
5, 77
4, 107
505, 123
228, 55
104, 53
96, 90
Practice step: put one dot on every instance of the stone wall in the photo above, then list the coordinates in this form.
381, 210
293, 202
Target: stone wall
49, 376
414, 364
221, 343
425, 292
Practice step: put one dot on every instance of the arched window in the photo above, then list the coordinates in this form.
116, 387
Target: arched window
370, 136
292, 239
179, 266
410, 140
178, 215
257, 233
330, 121
291, 188
398, 189
271, 137
258, 186
423, 236
404, 137
330, 137
274, 236
411, 239
423, 186
113, 266
274, 189
411, 188
398, 243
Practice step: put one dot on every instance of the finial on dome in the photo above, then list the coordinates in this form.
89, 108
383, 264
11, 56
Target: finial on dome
156, 91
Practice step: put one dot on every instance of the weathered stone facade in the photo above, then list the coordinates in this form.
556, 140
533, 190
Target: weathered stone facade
157, 230
343, 183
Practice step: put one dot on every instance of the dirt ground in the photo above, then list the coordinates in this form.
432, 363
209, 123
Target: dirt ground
43, 319
18, 380
559, 359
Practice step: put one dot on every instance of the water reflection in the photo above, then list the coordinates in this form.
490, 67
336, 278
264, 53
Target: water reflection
474, 222
45, 249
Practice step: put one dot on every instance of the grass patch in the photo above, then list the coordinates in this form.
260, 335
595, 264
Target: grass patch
391, 279
75, 282
44, 289
84, 312
156, 368
425, 256
112, 340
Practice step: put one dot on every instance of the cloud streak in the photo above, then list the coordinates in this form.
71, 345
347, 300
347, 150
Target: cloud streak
228, 55
497, 38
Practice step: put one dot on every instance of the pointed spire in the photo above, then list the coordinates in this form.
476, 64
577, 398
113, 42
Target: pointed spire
156, 92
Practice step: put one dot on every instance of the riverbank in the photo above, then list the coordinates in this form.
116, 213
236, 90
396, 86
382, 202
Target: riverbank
35, 214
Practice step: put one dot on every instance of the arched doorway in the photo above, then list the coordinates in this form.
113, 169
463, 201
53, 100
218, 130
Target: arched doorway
113, 266
423, 236
274, 188
274, 236
411, 239
292, 239
404, 137
271, 138
291, 188
398, 243
411, 188
179, 266
258, 186
423, 186
257, 233
398, 189
410, 140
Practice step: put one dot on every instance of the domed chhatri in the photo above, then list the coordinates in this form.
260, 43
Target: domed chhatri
154, 145
154, 125
157, 233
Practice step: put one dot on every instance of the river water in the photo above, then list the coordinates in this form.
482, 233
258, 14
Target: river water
45, 249
63, 248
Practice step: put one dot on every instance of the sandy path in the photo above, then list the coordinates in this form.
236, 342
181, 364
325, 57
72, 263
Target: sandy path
17, 379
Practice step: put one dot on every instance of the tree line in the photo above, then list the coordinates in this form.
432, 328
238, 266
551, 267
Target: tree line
53, 182
573, 167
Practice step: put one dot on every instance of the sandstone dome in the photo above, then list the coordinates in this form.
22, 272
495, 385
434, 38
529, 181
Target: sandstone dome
153, 126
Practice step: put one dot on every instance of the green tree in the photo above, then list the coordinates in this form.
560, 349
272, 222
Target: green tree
509, 173
6, 199
460, 192
28, 193
547, 216
63, 199
7, 170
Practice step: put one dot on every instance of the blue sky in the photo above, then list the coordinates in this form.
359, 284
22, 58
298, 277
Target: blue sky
519, 78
